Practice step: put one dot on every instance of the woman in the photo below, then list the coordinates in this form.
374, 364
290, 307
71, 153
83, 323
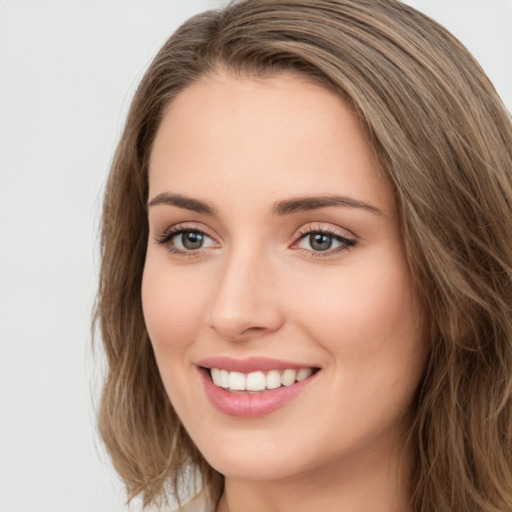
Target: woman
305, 296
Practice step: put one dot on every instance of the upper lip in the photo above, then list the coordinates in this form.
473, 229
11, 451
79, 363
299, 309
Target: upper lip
250, 364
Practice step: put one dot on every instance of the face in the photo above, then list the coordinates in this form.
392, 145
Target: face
275, 267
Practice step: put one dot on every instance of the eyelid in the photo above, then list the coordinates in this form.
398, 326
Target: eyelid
180, 227
325, 227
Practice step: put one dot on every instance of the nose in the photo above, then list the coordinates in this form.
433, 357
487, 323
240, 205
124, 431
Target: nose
246, 301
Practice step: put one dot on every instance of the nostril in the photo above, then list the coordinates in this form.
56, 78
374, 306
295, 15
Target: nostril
253, 330
236, 331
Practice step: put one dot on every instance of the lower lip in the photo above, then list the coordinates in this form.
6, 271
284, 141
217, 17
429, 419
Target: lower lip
245, 405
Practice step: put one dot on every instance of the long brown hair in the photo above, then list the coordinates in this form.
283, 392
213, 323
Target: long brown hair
445, 141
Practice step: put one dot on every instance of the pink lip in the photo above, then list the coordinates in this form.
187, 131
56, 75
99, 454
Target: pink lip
250, 364
246, 405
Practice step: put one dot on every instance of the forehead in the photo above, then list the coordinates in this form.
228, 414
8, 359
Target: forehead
280, 134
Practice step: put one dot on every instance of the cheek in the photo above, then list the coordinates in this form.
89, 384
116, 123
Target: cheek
376, 300
367, 320
173, 312
172, 307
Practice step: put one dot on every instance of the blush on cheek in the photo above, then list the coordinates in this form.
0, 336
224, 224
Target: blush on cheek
173, 312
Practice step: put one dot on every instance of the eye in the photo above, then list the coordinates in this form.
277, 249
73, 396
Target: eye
323, 241
319, 241
185, 241
190, 240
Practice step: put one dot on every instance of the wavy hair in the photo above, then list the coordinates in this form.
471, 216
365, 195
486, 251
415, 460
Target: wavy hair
444, 139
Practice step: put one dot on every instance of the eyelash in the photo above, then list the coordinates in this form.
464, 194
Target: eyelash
174, 231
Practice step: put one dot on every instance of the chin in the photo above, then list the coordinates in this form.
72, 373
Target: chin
254, 467
249, 454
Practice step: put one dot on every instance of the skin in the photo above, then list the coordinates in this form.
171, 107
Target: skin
257, 287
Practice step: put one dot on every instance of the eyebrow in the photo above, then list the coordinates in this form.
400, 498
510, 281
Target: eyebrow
303, 204
180, 201
283, 207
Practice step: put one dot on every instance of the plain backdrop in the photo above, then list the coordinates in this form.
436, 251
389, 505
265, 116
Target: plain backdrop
67, 72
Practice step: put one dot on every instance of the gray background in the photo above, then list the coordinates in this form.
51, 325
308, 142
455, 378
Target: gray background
67, 73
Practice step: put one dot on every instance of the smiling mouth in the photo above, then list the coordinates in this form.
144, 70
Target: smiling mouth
258, 381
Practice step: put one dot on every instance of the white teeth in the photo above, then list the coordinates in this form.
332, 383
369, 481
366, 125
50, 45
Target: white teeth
304, 373
258, 381
224, 379
273, 379
288, 377
216, 376
236, 381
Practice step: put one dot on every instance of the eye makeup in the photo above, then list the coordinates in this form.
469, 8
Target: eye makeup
315, 240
